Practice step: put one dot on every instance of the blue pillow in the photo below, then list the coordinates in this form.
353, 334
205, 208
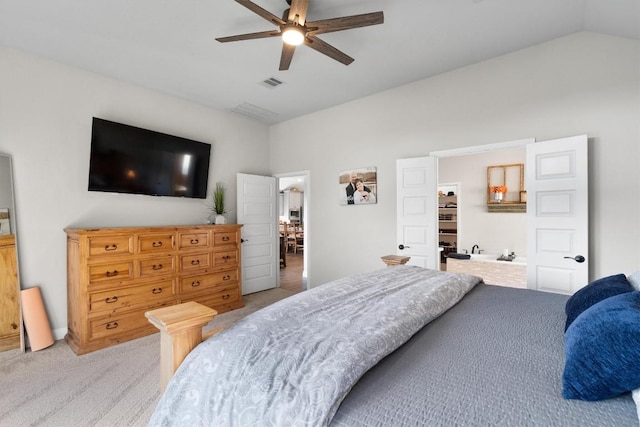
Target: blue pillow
593, 293
602, 349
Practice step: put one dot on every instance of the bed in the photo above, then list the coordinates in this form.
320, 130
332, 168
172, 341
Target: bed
400, 346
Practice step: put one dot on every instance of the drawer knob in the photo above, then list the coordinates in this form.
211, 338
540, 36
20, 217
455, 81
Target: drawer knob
195, 284
157, 267
195, 262
113, 273
227, 277
156, 291
226, 296
225, 238
111, 247
226, 257
112, 325
157, 244
195, 241
110, 300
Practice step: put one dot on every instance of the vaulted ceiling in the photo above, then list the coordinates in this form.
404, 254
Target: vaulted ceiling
170, 46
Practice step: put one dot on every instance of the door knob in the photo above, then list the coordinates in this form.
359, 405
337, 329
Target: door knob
577, 258
401, 247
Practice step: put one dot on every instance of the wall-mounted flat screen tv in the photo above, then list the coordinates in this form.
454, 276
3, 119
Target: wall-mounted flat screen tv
128, 159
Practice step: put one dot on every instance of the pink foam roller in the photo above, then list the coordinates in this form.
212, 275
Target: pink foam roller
35, 319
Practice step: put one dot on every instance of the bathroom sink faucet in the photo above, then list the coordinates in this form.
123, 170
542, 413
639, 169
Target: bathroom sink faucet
473, 249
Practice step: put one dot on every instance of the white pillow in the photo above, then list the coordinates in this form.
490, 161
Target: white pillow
636, 397
634, 279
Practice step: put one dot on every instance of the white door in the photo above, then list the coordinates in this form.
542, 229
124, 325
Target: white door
417, 205
257, 209
557, 215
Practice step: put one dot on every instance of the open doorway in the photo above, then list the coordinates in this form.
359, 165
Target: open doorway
448, 220
293, 225
484, 230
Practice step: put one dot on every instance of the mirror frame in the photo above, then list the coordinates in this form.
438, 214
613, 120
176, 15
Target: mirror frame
14, 230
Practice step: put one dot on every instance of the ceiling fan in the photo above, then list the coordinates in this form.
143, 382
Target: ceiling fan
295, 30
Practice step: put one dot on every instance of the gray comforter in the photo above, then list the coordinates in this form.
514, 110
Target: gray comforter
495, 359
292, 363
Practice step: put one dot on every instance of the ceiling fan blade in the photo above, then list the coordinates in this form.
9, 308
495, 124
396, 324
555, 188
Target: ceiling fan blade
260, 11
298, 8
249, 36
324, 47
287, 56
345, 23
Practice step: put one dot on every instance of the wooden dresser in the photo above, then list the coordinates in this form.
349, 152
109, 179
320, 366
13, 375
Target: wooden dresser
115, 275
9, 297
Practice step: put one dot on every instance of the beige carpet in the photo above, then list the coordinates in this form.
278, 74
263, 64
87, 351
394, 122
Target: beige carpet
117, 386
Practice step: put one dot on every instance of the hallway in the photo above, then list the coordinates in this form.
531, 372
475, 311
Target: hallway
291, 275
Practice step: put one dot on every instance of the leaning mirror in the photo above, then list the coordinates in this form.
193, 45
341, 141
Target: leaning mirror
11, 335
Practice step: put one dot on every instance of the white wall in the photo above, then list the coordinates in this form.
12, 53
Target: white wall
45, 124
491, 231
581, 84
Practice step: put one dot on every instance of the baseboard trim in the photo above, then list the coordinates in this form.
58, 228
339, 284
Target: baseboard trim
58, 334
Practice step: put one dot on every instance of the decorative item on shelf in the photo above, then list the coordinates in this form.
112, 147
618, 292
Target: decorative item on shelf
498, 192
219, 204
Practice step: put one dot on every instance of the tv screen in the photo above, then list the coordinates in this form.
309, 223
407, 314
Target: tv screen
128, 159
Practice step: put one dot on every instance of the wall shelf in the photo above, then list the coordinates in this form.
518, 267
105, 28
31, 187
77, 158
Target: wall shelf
507, 207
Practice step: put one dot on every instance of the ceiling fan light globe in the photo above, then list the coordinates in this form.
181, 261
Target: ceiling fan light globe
293, 35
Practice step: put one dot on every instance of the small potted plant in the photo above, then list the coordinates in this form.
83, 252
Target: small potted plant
219, 203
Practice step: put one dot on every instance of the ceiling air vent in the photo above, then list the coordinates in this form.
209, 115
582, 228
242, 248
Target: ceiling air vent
272, 82
253, 111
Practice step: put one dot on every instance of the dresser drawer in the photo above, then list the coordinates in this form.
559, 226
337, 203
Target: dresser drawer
157, 266
194, 240
208, 281
195, 261
119, 325
225, 238
153, 243
127, 298
224, 295
225, 257
110, 245
116, 271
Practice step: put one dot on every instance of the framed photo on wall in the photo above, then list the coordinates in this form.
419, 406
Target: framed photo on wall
359, 186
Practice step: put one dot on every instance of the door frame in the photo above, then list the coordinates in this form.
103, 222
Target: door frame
306, 202
481, 149
476, 149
